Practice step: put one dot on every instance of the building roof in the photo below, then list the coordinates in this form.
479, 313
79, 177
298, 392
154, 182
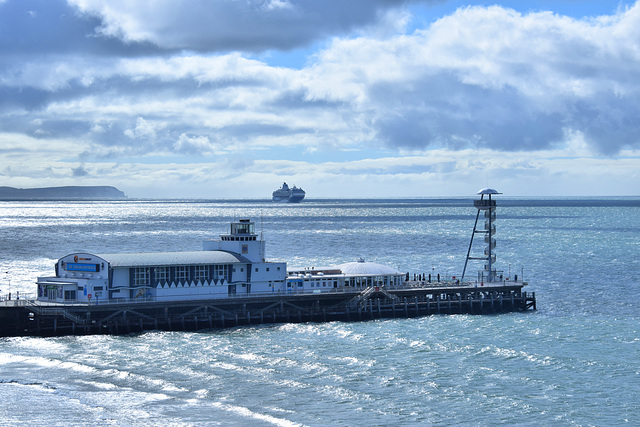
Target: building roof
173, 258
363, 267
488, 191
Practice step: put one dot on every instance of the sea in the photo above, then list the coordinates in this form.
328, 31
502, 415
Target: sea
575, 361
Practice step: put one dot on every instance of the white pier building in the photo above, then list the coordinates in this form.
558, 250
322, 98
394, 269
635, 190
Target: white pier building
232, 266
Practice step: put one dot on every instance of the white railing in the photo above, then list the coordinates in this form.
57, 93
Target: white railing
27, 299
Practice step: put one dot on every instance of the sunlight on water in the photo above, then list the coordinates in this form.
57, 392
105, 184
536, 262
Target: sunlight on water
574, 361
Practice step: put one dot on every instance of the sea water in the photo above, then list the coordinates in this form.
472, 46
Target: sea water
574, 361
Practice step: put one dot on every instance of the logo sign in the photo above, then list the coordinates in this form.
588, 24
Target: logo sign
74, 266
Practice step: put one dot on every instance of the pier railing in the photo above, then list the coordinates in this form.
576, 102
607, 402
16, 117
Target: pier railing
19, 301
356, 291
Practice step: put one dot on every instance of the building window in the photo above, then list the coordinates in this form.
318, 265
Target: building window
201, 273
245, 249
220, 271
160, 274
256, 269
182, 273
141, 276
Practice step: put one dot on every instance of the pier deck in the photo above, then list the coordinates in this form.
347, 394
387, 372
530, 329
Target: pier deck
37, 318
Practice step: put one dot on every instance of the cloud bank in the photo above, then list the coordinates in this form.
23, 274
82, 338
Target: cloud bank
84, 83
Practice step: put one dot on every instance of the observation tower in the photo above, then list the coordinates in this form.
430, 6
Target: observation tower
487, 205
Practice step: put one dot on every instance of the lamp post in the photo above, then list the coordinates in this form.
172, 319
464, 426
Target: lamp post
9, 279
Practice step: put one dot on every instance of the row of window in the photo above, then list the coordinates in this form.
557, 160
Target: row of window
267, 268
238, 239
324, 284
181, 273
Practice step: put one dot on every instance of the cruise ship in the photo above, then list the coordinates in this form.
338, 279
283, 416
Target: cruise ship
289, 195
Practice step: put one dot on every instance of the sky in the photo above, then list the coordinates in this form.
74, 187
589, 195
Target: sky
344, 98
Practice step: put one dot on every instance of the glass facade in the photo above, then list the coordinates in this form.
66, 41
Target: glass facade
141, 276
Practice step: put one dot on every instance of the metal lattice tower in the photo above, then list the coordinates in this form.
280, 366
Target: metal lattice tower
488, 206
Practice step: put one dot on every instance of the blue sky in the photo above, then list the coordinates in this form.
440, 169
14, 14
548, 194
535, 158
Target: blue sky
364, 98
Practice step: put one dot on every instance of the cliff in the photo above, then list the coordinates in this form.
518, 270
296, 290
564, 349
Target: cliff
61, 193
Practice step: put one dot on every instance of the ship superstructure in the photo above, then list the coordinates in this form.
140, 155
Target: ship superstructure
288, 194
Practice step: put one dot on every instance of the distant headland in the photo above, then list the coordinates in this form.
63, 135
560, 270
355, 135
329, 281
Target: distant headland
61, 193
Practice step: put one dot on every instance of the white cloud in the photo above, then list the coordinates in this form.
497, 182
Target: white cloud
143, 130
193, 145
485, 91
494, 77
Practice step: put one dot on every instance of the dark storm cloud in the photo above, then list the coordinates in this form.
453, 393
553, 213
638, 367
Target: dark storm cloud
456, 115
29, 27
224, 25
79, 171
300, 99
612, 122
22, 97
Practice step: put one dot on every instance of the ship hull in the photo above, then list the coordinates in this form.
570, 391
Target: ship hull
288, 199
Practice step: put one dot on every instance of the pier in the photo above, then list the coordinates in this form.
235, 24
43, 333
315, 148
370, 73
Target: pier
34, 318
229, 283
